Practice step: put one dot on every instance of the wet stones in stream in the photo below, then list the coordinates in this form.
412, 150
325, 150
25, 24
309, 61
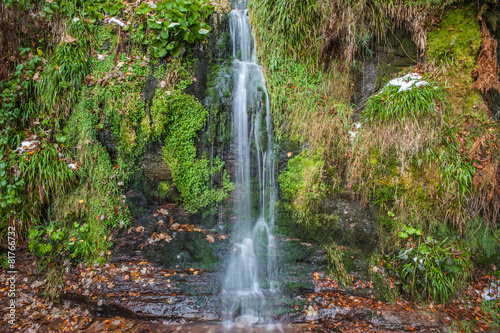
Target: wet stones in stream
167, 267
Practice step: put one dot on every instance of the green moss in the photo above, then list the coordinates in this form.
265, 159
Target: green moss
456, 41
301, 185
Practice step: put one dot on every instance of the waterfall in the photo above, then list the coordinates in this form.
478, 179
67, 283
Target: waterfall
252, 267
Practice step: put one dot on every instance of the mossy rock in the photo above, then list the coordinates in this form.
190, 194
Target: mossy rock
457, 39
189, 250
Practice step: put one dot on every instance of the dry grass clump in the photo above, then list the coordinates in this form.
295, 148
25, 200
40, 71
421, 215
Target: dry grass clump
486, 73
487, 177
350, 24
377, 142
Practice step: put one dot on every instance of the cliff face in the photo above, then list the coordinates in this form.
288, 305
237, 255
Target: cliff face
386, 115
379, 105
107, 110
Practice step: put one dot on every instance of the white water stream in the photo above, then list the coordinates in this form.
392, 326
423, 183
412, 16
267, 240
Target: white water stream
252, 268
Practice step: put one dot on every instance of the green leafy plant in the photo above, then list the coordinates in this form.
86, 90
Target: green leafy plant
172, 25
336, 268
395, 104
428, 267
182, 117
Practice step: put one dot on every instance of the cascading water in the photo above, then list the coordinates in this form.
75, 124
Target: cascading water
252, 266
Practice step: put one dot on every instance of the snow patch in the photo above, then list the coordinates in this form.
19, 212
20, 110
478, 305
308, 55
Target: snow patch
406, 82
29, 144
352, 134
117, 21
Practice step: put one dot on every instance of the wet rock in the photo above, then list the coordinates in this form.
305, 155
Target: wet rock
179, 278
149, 89
108, 139
355, 224
398, 52
136, 199
402, 320
155, 168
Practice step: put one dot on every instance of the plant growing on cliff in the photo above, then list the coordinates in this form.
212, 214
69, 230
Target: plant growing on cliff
429, 269
409, 98
336, 268
172, 25
302, 185
182, 117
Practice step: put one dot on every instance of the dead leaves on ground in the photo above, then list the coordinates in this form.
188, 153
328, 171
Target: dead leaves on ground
167, 231
349, 309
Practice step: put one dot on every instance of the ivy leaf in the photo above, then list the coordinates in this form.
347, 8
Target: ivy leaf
203, 31
176, 51
153, 24
403, 235
159, 42
144, 8
173, 25
161, 53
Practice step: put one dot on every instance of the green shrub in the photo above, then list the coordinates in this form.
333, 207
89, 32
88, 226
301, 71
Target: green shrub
429, 269
182, 117
394, 104
172, 25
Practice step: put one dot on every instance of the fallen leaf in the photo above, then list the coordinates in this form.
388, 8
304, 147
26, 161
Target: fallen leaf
68, 39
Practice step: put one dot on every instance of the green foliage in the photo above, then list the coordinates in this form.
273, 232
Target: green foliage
18, 92
4, 261
31, 96
88, 9
172, 25
83, 217
56, 242
292, 27
173, 118
335, 265
45, 172
436, 270
302, 185
181, 117
457, 39
483, 241
415, 104
492, 309
61, 80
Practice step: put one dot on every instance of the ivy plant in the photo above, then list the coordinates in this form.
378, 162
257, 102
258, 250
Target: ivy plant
172, 25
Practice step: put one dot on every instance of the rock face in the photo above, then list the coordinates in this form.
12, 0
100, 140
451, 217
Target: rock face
136, 199
168, 267
357, 226
155, 168
108, 140
399, 53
